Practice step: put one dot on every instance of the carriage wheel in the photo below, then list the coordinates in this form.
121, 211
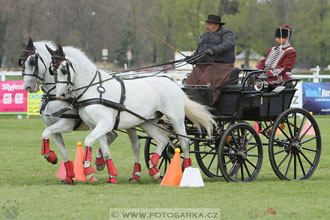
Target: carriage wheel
206, 153
240, 153
166, 156
294, 145
207, 157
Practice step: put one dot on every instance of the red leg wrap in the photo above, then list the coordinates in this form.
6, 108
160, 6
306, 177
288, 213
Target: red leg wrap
136, 172
187, 162
52, 157
111, 168
69, 169
153, 171
112, 180
137, 168
154, 159
99, 161
89, 170
45, 147
88, 154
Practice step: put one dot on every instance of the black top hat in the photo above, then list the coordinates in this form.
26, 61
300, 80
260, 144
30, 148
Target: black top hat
214, 19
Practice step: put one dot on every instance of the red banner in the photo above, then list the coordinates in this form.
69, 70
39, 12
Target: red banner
13, 98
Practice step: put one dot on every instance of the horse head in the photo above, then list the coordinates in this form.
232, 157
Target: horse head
34, 67
63, 72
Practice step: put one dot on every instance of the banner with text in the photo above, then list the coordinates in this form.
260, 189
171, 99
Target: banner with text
15, 100
316, 98
13, 97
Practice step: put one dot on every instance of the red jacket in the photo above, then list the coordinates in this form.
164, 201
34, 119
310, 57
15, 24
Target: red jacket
278, 63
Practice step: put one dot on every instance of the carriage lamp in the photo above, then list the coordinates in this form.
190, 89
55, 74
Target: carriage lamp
260, 84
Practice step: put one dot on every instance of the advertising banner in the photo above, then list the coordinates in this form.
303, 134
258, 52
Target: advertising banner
316, 98
13, 97
33, 103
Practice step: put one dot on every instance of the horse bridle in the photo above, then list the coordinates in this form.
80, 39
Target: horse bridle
33, 62
56, 62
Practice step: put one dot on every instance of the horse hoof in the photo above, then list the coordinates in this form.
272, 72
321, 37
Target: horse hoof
100, 167
90, 176
134, 179
156, 176
112, 180
55, 161
64, 182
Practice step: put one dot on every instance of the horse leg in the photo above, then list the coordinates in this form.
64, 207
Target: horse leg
179, 128
67, 163
61, 126
100, 130
161, 140
100, 162
108, 161
136, 150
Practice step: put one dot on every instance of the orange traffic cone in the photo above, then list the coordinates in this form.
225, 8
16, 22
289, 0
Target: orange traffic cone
310, 131
61, 173
256, 127
173, 174
79, 165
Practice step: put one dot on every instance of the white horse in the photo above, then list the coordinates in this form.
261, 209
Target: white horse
149, 98
35, 61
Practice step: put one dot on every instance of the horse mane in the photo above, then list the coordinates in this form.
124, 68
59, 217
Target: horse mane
79, 59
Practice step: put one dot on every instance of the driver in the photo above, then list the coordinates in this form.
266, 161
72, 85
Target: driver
215, 67
280, 59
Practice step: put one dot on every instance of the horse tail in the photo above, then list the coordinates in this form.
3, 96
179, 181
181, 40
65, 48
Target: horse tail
199, 115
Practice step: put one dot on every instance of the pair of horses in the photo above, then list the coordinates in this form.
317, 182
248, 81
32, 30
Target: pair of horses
70, 81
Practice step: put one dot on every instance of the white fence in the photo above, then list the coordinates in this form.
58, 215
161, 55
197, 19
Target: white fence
179, 74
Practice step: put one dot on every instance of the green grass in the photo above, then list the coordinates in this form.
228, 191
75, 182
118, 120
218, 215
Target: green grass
26, 177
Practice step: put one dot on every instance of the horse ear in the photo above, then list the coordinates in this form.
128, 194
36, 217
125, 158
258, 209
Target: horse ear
30, 46
30, 42
52, 52
60, 50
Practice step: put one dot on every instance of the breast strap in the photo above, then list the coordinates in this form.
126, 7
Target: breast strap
118, 106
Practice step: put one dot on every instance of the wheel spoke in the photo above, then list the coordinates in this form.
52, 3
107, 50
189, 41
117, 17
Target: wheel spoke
289, 126
286, 156
251, 148
303, 135
242, 172
161, 162
294, 167
231, 160
281, 151
287, 168
211, 161
283, 132
307, 140
306, 158
236, 171
251, 163
301, 165
305, 148
252, 155
301, 125
248, 142
247, 170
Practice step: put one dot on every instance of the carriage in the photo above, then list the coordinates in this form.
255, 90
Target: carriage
249, 116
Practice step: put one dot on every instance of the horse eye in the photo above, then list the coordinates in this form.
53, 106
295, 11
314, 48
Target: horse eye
64, 70
33, 61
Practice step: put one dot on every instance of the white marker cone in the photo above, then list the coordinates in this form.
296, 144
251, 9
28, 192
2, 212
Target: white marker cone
192, 178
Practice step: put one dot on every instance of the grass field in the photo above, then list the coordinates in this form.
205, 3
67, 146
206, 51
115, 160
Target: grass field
28, 179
